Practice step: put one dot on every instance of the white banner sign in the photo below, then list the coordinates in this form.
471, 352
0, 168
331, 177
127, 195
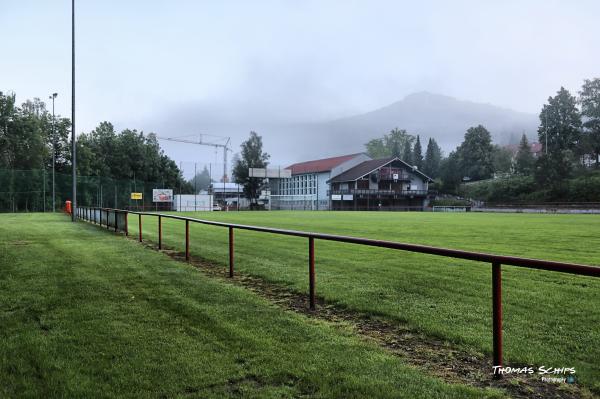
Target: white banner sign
162, 195
272, 173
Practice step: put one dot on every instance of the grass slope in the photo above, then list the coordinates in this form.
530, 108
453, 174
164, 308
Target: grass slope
550, 319
84, 313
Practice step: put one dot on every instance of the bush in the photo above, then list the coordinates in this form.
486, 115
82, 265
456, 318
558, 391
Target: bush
583, 188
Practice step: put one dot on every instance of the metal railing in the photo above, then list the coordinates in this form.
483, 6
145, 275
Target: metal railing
119, 221
374, 192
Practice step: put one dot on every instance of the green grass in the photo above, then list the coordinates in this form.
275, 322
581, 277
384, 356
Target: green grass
550, 319
84, 313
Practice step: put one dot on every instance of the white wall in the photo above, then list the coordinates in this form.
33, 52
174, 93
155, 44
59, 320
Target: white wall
191, 202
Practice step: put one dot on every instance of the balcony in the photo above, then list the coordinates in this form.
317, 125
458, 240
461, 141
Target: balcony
363, 193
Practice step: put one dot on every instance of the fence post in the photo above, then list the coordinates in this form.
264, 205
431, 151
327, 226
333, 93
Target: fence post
497, 315
230, 251
100, 216
187, 240
126, 224
116, 221
311, 271
140, 226
159, 232
107, 219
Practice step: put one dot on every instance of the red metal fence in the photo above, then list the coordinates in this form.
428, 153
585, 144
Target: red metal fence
118, 219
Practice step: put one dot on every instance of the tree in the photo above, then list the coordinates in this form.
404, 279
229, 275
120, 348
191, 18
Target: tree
559, 133
202, 180
376, 148
251, 156
476, 154
392, 144
407, 154
450, 172
502, 160
589, 98
433, 157
524, 160
560, 121
417, 154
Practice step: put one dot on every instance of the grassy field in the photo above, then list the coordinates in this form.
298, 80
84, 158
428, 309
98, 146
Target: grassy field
84, 313
550, 319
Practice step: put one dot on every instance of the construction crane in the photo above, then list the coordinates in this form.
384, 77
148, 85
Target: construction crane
200, 141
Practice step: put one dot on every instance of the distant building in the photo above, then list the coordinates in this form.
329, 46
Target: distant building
229, 194
352, 182
386, 184
308, 188
536, 149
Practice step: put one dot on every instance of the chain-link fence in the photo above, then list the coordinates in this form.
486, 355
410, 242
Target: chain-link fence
32, 191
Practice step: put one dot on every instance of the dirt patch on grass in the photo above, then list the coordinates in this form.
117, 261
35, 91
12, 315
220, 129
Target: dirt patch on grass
19, 242
433, 355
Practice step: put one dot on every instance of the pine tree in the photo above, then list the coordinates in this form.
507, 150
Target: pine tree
433, 158
524, 160
417, 155
407, 155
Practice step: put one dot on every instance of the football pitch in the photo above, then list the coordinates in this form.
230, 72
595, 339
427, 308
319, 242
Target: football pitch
84, 310
550, 319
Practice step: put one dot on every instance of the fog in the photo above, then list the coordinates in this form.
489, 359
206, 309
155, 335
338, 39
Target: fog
282, 67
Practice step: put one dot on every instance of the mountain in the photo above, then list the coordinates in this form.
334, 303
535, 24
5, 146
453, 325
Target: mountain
430, 115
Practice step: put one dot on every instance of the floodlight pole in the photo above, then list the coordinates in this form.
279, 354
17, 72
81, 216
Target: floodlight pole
73, 143
52, 97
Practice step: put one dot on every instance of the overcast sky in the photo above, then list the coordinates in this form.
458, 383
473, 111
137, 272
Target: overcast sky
140, 62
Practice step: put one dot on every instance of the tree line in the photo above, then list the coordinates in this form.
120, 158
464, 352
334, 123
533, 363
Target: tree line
29, 136
399, 143
569, 132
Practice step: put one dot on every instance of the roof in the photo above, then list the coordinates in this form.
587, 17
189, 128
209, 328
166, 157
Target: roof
367, 167
320, 165
535, 147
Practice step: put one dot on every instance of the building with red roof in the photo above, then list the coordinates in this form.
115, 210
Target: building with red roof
351, 182
308, 187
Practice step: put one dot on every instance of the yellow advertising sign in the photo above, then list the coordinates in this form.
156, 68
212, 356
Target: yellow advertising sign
136, 196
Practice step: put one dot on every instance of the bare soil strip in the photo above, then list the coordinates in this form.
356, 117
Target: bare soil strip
432, 355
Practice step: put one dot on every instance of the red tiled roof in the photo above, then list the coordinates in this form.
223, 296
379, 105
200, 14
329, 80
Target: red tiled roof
319, 165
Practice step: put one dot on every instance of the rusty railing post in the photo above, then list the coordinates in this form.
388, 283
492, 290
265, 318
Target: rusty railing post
187, 240
140, 226
230, 251
311, 271
497, 315
159, 232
